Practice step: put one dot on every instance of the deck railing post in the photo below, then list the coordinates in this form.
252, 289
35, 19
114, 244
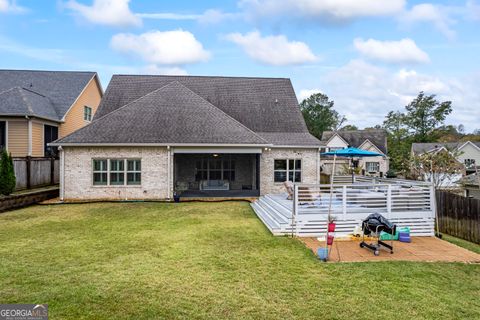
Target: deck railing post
295, 209
389, 200
344, 202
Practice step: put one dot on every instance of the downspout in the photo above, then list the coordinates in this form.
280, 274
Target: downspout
168, 172
62, 173
318, 167
29, 152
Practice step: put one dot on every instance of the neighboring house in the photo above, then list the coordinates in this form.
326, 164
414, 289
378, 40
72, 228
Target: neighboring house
468, 152
154, 136
370, 140
38, 107
471, 185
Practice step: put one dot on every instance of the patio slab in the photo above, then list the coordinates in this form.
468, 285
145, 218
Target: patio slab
426, 249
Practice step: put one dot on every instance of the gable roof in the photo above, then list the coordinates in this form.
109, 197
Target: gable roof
60, 88
419, 148
356, 138
23, 102
151, 119
261, 104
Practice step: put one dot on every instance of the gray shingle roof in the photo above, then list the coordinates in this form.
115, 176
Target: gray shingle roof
20, 101
355, 138
419, 148
290, 138
171, 114
261, 104
61, 88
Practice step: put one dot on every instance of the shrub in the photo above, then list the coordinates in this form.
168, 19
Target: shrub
7, 174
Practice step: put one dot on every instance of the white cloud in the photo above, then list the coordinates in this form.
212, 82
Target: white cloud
402, 51
330, 10
306, 93
366, 93
439, 16
273, 50
154, 69
10, 6
210, 16
106, 12
175, 47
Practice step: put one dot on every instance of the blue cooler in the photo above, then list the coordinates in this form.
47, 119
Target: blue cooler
404, 237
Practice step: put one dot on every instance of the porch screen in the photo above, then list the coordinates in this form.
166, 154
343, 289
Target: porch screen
215, 169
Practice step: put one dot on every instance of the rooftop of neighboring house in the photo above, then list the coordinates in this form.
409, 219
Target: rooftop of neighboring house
471, 180
43, 94
356, 138
419, 148
151, 109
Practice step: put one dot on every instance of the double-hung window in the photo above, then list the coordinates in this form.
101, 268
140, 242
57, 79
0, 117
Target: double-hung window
117, 172
287, 169
87, 113
100, 172
372, 166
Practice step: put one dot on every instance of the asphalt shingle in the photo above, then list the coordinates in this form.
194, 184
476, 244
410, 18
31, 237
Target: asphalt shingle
60, 88
355, 138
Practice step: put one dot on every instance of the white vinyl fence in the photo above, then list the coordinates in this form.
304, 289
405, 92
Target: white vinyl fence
403, 202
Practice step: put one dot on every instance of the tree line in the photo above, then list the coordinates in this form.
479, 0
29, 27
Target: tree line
422, 120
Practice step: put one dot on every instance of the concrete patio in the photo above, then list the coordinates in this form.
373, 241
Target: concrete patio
426, 249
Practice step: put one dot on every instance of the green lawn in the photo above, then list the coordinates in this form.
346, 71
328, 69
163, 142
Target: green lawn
206, 261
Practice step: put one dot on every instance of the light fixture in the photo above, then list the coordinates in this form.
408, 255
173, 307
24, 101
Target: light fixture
215, 155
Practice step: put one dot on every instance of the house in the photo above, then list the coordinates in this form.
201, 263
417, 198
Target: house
468, 152
471, 185
370, 140
154, 136
38, 107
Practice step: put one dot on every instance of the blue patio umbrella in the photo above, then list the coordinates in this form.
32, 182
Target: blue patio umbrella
351, 153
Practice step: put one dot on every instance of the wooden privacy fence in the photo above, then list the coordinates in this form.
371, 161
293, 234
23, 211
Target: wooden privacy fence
458, 216
35, 172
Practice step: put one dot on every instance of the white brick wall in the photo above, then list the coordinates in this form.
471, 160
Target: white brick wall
78, 183
78, 173
309, 167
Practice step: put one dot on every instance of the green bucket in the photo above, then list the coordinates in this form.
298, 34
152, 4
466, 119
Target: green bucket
388, 236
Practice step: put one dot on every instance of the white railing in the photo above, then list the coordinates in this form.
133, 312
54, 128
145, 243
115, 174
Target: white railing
403, 202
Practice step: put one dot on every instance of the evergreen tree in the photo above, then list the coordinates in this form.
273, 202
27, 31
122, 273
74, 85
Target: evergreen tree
7, 174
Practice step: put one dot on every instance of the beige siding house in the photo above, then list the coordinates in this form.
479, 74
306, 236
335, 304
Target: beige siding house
369, 140
38, 107
156, 137
468, 152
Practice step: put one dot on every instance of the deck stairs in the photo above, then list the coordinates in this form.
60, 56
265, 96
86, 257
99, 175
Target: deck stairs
276, 216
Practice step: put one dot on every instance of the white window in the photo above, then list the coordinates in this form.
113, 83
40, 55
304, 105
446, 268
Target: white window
87, 113
287, 169
372, 166
470, 163
117, 172
335, 148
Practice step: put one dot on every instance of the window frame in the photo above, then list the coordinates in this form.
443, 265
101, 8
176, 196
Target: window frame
376, 164
289, 170
123, 172
87, 113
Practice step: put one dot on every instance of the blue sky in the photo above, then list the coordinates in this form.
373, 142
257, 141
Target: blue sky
370, 56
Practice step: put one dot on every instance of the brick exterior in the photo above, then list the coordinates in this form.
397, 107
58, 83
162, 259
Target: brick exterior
78, 175
309, 167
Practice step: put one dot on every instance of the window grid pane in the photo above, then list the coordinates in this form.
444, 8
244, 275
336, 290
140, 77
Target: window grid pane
134, 175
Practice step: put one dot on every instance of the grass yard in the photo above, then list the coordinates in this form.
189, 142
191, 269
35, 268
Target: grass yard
206, 261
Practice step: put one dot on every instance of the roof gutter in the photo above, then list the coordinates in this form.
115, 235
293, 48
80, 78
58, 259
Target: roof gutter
66, 144
27, 116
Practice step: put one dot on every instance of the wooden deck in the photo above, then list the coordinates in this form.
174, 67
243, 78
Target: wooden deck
405, 205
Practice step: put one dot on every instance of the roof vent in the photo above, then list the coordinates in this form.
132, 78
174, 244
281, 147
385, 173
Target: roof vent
276, 101
31, 85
